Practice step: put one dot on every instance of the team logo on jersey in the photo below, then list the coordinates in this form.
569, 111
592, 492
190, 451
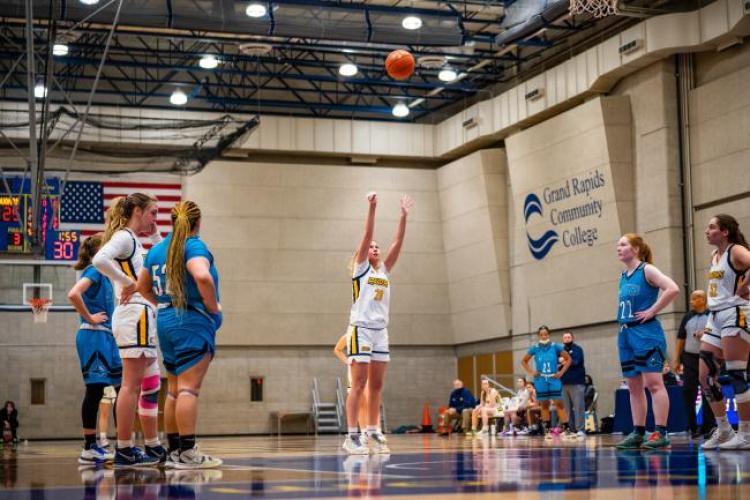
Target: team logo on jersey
539, 247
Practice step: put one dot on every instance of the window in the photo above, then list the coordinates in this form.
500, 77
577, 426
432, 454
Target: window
256, 389
38, 389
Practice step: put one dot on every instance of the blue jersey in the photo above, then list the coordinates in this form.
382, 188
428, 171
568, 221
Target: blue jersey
100, 296
545, 357
156, 264
636, 295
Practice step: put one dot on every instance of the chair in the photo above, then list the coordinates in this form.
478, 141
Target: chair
591, 418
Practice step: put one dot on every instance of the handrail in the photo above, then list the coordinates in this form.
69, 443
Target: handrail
497, 384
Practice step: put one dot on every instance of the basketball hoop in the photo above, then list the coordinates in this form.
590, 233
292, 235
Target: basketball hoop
597, 8
40, 308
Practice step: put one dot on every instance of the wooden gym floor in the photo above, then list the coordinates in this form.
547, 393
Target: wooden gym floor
420, 466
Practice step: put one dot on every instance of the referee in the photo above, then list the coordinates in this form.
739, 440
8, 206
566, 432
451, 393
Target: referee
686, 355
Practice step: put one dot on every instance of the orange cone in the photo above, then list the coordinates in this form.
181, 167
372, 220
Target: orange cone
426, 420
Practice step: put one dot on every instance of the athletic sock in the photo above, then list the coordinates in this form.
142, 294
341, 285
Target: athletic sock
640, 430
173, 439
187, 442
353, 431
662, 429
744, 427
89, 441
371, 429
152, 443
121, 445
103, 437
723, 423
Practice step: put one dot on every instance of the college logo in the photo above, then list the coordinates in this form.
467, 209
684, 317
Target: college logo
541, 246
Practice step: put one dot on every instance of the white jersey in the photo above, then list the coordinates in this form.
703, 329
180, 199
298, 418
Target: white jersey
126, 252
371, 293
723, 280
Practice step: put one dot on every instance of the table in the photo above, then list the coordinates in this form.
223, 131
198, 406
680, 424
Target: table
280, 416
676, 421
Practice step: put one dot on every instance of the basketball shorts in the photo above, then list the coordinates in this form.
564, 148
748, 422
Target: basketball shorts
642, 348
365, 345
548, 388
185, 337
99, 357
134, 328
728, 322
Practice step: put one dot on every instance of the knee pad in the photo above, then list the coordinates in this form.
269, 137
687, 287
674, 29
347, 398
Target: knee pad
148, 404
90, 406
738, 379
711, 388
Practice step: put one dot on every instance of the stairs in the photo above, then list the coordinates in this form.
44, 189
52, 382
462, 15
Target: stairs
327, 416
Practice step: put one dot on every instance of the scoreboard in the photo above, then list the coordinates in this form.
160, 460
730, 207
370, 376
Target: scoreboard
16, 218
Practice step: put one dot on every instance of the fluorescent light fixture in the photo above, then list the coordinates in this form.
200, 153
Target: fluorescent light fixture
348, 69
411, 23
208, 62
40, 91
59, 49
400, 110
256, 9
447, 74
89, 2
178, 98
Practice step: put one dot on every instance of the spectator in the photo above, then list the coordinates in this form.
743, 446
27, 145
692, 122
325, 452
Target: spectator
534, 411
9, 417
590, 393
687, 348
574, 386
459, 406
486, 408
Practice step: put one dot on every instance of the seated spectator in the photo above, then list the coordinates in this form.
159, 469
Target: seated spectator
460, 406
486, 409
514, 414
533, 411
9, 418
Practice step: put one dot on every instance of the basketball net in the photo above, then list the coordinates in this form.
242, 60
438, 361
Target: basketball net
597, 8
40, 308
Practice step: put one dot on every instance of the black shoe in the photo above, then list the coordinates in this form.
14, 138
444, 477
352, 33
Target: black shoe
695, 434
157, 452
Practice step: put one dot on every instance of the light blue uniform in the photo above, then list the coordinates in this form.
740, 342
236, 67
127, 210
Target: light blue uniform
185, 336
545, 361
97, 350
642, 346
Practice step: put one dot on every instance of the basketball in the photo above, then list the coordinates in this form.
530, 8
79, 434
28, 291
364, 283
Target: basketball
399, 64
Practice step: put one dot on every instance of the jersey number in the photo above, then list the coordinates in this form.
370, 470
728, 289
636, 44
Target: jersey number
547, 366
379, 294
157, 285
713, 290
626, 306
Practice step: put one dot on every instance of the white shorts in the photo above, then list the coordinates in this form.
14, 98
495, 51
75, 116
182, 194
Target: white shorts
134, 329
365, 345
728, 322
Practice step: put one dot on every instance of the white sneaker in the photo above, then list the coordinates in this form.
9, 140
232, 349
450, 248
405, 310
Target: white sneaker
173, 458
194, 459
739, 442
377, 443
353, 446
718, 437
483, 432
94, 455
523, 432
581, 435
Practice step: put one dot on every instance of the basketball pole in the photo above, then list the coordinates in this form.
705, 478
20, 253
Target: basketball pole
33, 157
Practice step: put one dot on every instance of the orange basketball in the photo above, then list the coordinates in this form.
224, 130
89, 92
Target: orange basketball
399, 64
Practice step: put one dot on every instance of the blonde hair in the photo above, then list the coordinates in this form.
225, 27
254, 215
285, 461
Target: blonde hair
88, 249
643, 251
121, 211
185, 215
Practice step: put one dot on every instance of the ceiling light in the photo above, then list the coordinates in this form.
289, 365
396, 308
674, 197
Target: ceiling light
40, 91
89, 2
411, 23
256, 9
348, 69
448, 75
208, 62
400, 110
60, 49
178, 98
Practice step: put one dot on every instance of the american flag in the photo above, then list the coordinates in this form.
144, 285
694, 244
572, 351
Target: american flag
84, 203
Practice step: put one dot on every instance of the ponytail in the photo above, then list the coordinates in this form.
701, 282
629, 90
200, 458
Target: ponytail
730, 224
88, 249
643, 251
121, 211
185, 215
